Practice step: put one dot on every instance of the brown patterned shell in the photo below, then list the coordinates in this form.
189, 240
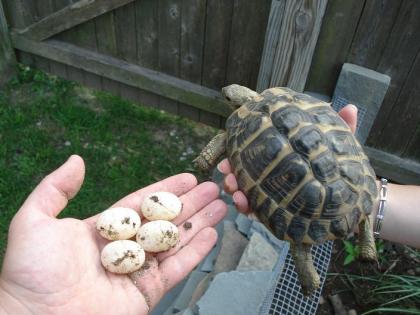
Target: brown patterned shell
304, 173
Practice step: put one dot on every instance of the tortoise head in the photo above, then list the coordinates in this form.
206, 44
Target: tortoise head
238, 95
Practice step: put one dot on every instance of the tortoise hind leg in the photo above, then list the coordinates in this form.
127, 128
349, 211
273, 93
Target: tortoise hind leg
308, 277
211, 152
367, 248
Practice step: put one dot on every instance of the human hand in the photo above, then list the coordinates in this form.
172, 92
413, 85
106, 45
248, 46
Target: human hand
53, 266
348, 114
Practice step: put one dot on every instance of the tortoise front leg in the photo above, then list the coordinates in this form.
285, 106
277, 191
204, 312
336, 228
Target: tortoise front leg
211, 152
304, 266
367, 248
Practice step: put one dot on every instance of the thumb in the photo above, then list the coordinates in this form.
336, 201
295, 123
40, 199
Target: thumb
349, 115
51, 196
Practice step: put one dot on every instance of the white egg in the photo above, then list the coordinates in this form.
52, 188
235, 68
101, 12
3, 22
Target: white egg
157, 236
161, 206
118, 223
122, 256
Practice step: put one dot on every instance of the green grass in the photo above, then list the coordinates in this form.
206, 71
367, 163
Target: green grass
125, 146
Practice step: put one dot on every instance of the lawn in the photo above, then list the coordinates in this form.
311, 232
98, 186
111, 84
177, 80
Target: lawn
125, 146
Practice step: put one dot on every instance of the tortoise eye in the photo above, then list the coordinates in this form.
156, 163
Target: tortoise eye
228, 98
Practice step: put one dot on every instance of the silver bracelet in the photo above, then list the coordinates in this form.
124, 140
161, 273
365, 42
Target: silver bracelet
383, 194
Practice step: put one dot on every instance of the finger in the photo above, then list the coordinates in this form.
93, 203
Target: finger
206, 217
196, 199
174, 268
224, 166
349, 115
230, 184
241, 202
177, 184
55, 190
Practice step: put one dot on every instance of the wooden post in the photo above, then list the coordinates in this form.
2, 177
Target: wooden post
7, 56
290, 40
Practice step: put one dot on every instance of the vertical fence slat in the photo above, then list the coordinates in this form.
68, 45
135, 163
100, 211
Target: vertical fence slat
147, 30
373, 32
169, 45
246, 39
300, 28
192, 37
7, 56
107, 44
397, 61
337, 31
22, 13
216, 43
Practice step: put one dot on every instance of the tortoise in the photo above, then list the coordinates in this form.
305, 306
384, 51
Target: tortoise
304, 173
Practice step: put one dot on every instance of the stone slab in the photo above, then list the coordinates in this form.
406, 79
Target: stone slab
232, 246
243, 223
258, 255
235, 293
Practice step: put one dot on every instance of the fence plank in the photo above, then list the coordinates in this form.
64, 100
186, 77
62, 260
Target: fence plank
22, 13
192, 38
125, 29
107, 44
169, 44
247, 36
394, 167
216, 43
70, 16
337, 31
299, 33
147, 29
398, 58
404, 140
272, 36
115, 69
7, 56
373, 32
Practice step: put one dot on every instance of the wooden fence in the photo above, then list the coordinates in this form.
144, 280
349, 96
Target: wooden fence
177, 54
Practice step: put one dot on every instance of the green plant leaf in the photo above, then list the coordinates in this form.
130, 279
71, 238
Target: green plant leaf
349, 259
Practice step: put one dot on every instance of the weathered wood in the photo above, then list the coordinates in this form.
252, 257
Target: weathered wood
272, 36
192, 38
147, 29
334, 41
299, 33
125, 30
22, 13
216, 44
133, 75
247, 36
107, 44
7, 56
404, 140
373, 32
58, 68
391, 166
398, 58
70, 16
43, 9
169, 44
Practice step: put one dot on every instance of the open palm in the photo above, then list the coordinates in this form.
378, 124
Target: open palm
52, 266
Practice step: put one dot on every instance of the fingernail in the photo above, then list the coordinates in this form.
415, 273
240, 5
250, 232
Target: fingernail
218, 167
354, 107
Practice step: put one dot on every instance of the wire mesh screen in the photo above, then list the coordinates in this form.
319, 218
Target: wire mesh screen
287, 297
339, 102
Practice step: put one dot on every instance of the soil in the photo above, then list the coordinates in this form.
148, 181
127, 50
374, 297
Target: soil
395, 259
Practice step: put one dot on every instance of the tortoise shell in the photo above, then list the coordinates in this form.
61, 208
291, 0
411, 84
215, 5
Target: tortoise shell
304, 173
